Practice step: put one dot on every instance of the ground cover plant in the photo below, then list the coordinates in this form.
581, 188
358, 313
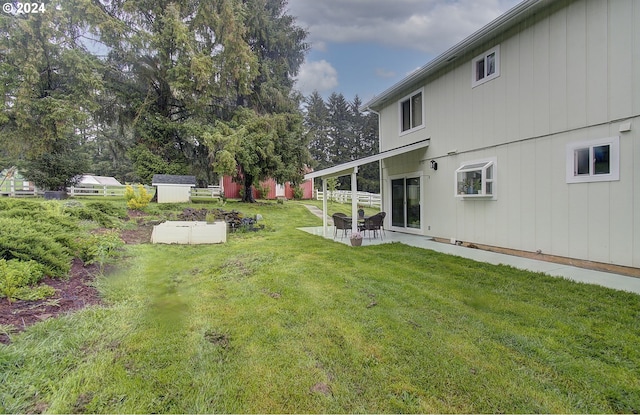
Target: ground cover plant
40, 239
284, 321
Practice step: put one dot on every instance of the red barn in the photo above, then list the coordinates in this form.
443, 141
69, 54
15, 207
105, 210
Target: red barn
232, 189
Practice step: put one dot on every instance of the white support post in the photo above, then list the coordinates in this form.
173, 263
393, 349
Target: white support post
324, 207
354, 200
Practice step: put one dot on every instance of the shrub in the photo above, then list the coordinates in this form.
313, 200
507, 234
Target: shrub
137, 200
263, 189
298, 193
100, 248
16, 276
47, 244
108, 208
104, 213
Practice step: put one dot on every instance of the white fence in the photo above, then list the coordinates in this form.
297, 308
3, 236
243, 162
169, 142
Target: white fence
23, 188
344, 196
98, 190
211, 191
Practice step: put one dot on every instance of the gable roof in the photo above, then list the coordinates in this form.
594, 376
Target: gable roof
173, 179
104, 180
511, 18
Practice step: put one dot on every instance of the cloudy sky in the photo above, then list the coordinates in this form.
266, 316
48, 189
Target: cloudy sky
365, 46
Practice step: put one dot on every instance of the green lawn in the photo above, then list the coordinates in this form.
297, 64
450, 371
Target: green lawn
283, 321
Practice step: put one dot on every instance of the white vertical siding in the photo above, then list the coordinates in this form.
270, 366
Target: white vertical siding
558, 73
576, 83
624, 55
174, 193
568, 76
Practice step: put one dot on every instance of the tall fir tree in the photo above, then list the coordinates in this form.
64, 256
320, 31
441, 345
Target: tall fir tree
316, 124
49, 84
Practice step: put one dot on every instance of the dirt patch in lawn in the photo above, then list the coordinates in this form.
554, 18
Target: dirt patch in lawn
73, 293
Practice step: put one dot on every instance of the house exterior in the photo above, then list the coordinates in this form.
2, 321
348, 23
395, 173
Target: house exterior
173, 188
276, 190
525, 135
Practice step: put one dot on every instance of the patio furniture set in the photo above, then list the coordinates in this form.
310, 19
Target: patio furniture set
366, 224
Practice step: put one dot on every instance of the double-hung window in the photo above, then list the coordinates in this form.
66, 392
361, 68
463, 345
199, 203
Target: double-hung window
411, 112
485, 67
476, 179
593, 160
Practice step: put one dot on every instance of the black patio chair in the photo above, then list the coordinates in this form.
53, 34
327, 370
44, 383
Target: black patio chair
372, 224
340, 222
383, 214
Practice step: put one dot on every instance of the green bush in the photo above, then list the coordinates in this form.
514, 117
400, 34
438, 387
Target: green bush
263, 189
101, 247
45, 243
108, 208
16, 276
298, 193
105, 214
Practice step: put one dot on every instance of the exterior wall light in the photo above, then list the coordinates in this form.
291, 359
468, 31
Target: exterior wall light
434, 165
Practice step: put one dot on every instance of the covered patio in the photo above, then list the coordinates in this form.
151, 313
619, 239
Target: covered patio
351, 168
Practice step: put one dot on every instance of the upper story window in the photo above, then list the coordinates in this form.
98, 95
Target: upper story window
593, 160
485, 67
411, 112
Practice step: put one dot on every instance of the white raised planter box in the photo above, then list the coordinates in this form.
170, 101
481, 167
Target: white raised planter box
189, 233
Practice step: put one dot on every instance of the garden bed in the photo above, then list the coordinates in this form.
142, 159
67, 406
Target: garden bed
72, 294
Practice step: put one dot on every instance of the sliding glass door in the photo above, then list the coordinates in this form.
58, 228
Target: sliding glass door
405, 202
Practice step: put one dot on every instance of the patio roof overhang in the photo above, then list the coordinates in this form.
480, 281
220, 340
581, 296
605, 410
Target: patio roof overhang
347, 168
351, 168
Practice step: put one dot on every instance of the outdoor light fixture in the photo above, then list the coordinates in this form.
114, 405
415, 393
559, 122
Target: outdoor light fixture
434, 165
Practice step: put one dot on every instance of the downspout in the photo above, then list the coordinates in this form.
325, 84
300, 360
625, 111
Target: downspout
379, 161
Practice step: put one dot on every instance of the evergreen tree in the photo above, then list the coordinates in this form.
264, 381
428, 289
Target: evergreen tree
180, 65
280, 47
49, 84
316, 124
339, 128
254, 147
339, 132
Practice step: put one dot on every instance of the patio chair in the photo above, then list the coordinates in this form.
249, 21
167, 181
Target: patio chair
340, 222
372, 224
383, 214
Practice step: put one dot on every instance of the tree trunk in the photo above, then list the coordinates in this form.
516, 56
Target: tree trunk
248, 191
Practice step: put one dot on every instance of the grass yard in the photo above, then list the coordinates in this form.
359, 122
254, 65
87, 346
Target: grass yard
282, 321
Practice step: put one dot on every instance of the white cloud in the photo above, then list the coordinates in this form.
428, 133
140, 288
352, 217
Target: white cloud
427, 25
318, 76
385, 73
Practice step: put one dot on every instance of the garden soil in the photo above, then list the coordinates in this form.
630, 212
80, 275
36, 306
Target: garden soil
73, 293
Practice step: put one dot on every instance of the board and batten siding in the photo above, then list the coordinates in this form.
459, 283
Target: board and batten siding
567, 75
174, 193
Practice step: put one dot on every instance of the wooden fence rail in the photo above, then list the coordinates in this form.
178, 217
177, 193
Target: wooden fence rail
13, 188
344, 196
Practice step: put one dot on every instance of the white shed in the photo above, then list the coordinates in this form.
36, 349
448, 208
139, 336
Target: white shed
173, 188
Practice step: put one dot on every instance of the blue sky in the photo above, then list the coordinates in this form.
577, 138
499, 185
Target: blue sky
365, 46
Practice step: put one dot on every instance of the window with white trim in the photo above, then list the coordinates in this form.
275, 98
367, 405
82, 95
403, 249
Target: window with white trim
485, 67
476, 179
593, 160
411, 112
